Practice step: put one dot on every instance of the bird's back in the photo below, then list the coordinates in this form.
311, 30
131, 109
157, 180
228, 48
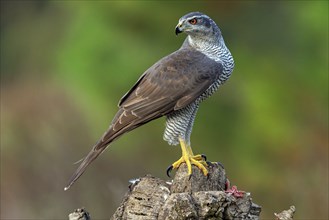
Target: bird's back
172, 87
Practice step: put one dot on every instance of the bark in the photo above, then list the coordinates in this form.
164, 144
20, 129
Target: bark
79, 214
286, 214
195, 197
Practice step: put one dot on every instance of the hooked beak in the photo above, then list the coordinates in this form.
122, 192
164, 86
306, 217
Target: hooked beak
178, 29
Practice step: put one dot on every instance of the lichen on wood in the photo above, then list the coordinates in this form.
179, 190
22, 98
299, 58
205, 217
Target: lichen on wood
186, 197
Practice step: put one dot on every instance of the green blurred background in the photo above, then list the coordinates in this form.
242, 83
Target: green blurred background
65, 65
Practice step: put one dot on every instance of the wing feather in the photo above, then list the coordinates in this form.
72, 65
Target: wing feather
172, 83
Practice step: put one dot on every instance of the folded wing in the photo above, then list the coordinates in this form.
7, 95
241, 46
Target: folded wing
171, 84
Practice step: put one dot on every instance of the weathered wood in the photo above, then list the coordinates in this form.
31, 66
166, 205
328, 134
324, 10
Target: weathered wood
195, 197
286, 214
79, 214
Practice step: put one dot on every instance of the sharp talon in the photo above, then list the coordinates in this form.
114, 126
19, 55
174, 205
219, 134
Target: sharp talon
199, 160
169, 169
208, 176
189, 177
209, 163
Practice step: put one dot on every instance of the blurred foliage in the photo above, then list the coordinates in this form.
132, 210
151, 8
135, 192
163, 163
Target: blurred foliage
65, 65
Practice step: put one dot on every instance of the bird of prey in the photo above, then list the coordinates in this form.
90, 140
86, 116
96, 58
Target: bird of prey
173, 87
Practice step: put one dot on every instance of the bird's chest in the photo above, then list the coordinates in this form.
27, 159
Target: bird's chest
211, 90
223, 57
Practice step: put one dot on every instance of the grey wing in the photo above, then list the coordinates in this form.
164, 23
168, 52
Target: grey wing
179, 79
170, 84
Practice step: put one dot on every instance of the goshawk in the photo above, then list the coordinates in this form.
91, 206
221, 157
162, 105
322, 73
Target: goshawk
173, 87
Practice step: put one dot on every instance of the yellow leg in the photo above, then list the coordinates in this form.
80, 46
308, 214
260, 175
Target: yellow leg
190, 159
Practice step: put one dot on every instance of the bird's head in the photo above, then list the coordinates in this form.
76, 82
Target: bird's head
197, 24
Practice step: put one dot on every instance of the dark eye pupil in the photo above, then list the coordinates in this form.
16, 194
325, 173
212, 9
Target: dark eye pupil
193, 21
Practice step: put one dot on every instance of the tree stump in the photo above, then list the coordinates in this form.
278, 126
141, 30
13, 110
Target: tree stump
194, 197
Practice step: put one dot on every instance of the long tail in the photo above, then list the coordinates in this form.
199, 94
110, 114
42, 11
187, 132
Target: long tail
97, 149
92, 155
123, 122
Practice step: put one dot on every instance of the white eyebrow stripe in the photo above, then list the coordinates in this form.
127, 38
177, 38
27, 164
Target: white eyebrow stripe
199, 16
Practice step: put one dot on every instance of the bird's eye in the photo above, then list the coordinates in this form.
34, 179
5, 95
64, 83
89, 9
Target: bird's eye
193, 21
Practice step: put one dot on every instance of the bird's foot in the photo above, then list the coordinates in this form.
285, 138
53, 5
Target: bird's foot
198, 160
